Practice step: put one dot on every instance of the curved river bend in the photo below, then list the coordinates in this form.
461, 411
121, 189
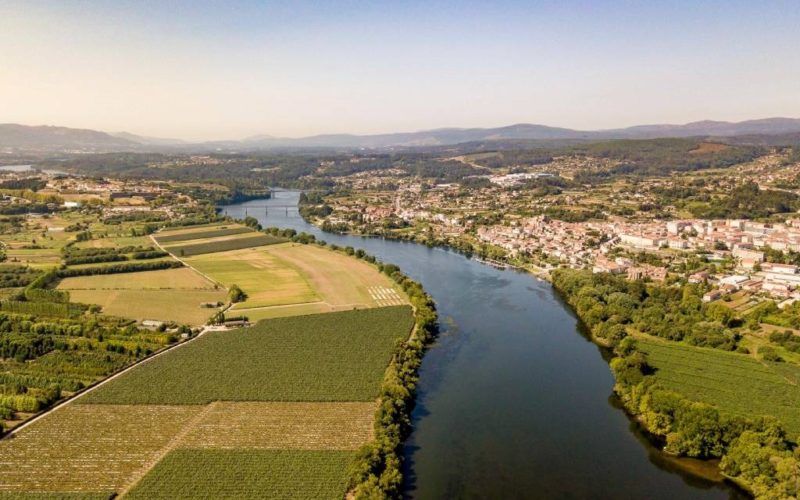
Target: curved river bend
513, 401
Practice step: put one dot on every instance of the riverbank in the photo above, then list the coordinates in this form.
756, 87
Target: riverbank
497, 261
510, 392
706, 469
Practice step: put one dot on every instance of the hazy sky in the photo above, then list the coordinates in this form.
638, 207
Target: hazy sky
203, 70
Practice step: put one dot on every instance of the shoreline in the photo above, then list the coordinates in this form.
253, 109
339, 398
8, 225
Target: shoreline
702, 469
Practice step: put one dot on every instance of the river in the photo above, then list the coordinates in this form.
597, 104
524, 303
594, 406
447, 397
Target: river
513, 401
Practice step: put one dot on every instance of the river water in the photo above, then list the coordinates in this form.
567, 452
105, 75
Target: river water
513, 401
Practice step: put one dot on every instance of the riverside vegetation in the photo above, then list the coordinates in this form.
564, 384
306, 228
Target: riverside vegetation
682, 372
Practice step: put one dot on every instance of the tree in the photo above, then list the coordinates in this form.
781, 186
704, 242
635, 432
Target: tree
236, 294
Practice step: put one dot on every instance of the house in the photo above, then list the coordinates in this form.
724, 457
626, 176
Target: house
734, 280
752, 285
678, 243
776, 289
712, 295
652, 272
779, 268
740, 252
700, 277
603, 265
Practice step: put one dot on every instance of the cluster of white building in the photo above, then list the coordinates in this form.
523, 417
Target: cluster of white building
566, 241
741, 236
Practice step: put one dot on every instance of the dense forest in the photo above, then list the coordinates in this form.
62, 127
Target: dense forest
249, 174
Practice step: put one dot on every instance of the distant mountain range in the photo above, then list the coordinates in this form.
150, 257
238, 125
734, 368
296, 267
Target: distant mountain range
49, 138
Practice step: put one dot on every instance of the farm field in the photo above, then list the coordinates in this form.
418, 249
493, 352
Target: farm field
283, 425
267, 280
287, 474
115, 241
735, 383
187, 230
204, 232
166, 295
87, 448
130, 261
102, 449
341, 280
326, 357
292, 279
221, 244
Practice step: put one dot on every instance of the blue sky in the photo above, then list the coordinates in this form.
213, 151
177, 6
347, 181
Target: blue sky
202, 70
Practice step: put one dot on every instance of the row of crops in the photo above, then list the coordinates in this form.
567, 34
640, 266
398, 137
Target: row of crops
212, 232
339, 356
286, 474
734, 382
235, 243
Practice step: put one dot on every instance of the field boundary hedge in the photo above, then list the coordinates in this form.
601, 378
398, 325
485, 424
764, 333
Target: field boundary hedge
129, 267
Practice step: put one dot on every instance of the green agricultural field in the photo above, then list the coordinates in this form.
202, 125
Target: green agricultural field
210, 232
291, 279
167, 295
267, 280
197, 228
286, 474
211, 245
181, 306
736, 383
261, 313
326, 357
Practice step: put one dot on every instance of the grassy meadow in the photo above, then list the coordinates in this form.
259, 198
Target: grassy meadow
267, 280
292, 279
167, 294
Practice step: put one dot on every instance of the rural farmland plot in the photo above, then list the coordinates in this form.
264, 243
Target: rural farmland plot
222, 244
287, 474
736, 383
297, 426
87, 448
167, 295
207, 232
324, 357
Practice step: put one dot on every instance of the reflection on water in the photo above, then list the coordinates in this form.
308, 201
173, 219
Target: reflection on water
513, 400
